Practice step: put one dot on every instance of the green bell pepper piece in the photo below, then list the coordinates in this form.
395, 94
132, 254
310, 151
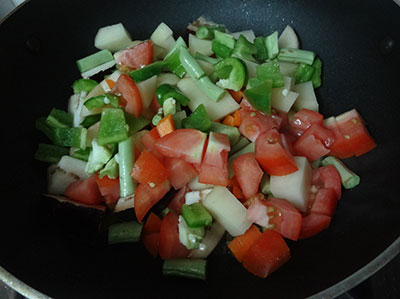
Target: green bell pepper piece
59, 119
85, 85
196, 215
147, 72
172, 60
244, 49
102, 100
232, 73
165, 91
90, 120
113, 127
135, 124
259, 95
70, 137
316, 76
271, 71
82, 154
199, 120
223, 44
50, 153
261, 49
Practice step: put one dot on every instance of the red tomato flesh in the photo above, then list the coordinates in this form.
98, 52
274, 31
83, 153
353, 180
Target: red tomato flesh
179, 172
136, 57
241, 244
149, 170
254, 123
267, 254
303, 119
325, 202
313, 224
178, 201
130, 93
109, 189
170, 247
310, 147
248, 174
328, 177
85, 191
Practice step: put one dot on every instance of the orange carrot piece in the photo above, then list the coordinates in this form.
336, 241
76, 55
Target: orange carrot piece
110, 83
166, 125
229, 121
237, 120
237, 95
241, 244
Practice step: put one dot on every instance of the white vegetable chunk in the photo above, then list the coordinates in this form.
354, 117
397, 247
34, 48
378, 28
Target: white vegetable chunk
306, 98
167, 78
113, 38
216, 110
248, 34
280, 101
147, 88
162, 37
208, 68
74, 166
124, 203
294, 187
196, 186
287, 68
98, 69
209, 241
227, 210
288, 39
58, 179
196, 196
202, 46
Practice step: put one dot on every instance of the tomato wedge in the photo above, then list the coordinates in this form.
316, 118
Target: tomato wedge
303, 119
130, 93
170, 247
313, 224
109, 189
85, 191
248, 174
149, 170
254, 123
267, 254
179, 199
325, 202
327, 177
136, 57
179, 172
151, 234
241, 244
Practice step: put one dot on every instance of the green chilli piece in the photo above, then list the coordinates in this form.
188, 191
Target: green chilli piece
316, 76
198, 119
84, 85
126, 160
190, 64
82, 154
50, 153
172, 60
70, 137
166, 91
223, 44
111, 169
207, 59
196, 215
90, 120
113, 127
296, 56
94, 60
349, 178
124, 232
244, 49
102, 100
261, 49
271, 71
147, 72
271, 43
59, 119
211, 90
207, 32
259, 95
232, 73
191, 268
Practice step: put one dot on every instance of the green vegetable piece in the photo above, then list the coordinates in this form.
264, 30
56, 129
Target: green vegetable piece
296, 56
191, 268
156, 119
261, 49
172, 60
207, 32
316, 76
169, 106
243, 141
94, 60
259, 96
147, 72
271, 43
349, 178
198, 120
211, 90
166, 91
126, 157
59, 119
316, 163
84, 85
70, 137
190, 237
190, 64
102, 100
111, 169
178, 118
236, 73
42, 125
265, 185
125, 232
207, 59
303, 73
196, 215
50, 153
113, 127
90, 120
271, 71
98, 157
223, 44
244, 49
232, 132
135, 124
82, 154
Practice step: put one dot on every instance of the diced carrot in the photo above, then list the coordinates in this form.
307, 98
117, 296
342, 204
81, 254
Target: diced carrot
241, 244
166, 125
237, 95
237, 119
110, 83
229, 121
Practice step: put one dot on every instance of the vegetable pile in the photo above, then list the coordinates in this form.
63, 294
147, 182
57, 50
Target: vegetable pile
223, 131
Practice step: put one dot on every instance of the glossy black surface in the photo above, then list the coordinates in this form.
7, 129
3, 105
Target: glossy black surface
39, 46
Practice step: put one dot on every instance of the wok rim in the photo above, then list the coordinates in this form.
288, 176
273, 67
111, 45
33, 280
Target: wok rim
336, 290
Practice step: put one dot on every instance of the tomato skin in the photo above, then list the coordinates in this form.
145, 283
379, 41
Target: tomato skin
255, 123
148, 169
186, 144
267, 254
328, 177
179, 199
313, 224
272, 157
150, 138
136, 57
170, 247
303, 119
85, 191
146, 197
310, 147
109, 189
130, 93
152, 224
325, 202
241, 244
213, 175
248, 174
180, 173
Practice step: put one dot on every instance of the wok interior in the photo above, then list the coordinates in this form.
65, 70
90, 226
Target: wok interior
59, 254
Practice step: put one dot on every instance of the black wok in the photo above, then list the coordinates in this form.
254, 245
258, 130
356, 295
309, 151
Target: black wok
61, 257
